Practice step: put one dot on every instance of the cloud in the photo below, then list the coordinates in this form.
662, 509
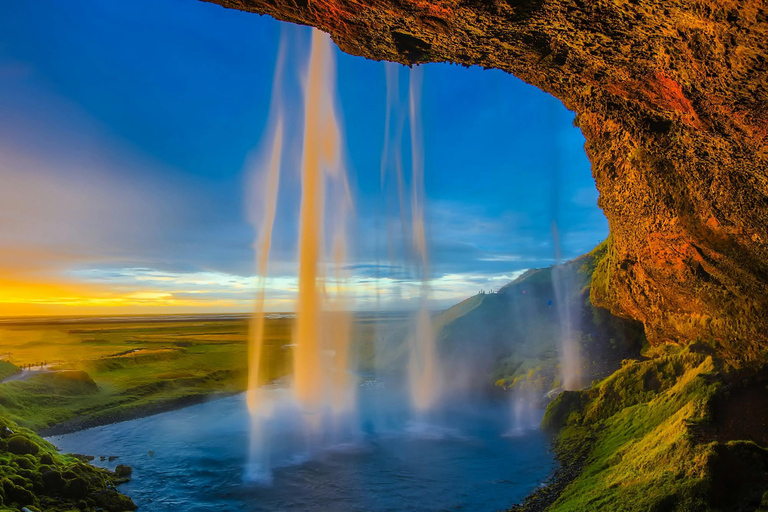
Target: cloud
89, 221
75, 195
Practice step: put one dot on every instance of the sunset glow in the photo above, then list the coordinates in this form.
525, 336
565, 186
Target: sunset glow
110, 209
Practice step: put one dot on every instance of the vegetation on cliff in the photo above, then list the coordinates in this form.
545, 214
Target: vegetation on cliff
660, 435
671, 428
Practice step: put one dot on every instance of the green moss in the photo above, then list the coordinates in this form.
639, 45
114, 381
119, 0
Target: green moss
599, 263
34, 475
642, 457
559, 411
21, 444
637, 437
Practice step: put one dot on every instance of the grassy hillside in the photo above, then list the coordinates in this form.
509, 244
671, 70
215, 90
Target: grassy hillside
682, 431
678, 429
512, 337
7, 369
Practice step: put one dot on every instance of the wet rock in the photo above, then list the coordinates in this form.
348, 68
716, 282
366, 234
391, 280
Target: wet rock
123, 471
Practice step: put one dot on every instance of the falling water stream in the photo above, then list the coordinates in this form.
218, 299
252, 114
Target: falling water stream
333, 438
322, 391
423, 366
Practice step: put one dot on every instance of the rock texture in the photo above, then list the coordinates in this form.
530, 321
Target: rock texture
672, 97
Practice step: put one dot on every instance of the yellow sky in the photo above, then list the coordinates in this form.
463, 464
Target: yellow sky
34, 297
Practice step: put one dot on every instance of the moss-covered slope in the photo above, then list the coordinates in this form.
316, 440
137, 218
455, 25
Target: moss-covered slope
654, 436
34, 475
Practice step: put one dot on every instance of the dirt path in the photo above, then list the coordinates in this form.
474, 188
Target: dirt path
27, 374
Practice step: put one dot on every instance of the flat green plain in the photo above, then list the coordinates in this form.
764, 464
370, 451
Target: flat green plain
99, 371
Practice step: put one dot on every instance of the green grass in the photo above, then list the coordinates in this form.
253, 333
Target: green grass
133, 365
140, 366
643, 457
7, 369
645, 440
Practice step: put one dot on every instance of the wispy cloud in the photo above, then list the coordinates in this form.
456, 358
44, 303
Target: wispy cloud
115, 194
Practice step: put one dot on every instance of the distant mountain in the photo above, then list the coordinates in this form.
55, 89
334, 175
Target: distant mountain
512, 337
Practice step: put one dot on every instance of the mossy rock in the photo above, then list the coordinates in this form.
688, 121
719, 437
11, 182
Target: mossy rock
22, 445
76, 488
53, 481
28, 475
19, 495
112, 501
123, 471
25, 461
561, 408
33, 474
19, 480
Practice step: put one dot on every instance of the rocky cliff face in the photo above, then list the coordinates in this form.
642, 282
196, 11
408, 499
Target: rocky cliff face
672, 97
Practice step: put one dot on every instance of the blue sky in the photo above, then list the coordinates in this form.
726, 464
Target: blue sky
126, 132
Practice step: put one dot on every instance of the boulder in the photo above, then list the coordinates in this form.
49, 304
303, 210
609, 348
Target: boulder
123, 471
21, 445
112, 501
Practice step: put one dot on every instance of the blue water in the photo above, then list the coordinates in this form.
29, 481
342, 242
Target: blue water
464, 460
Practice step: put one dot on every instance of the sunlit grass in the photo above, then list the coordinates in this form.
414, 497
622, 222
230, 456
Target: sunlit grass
139, 366
636, 435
